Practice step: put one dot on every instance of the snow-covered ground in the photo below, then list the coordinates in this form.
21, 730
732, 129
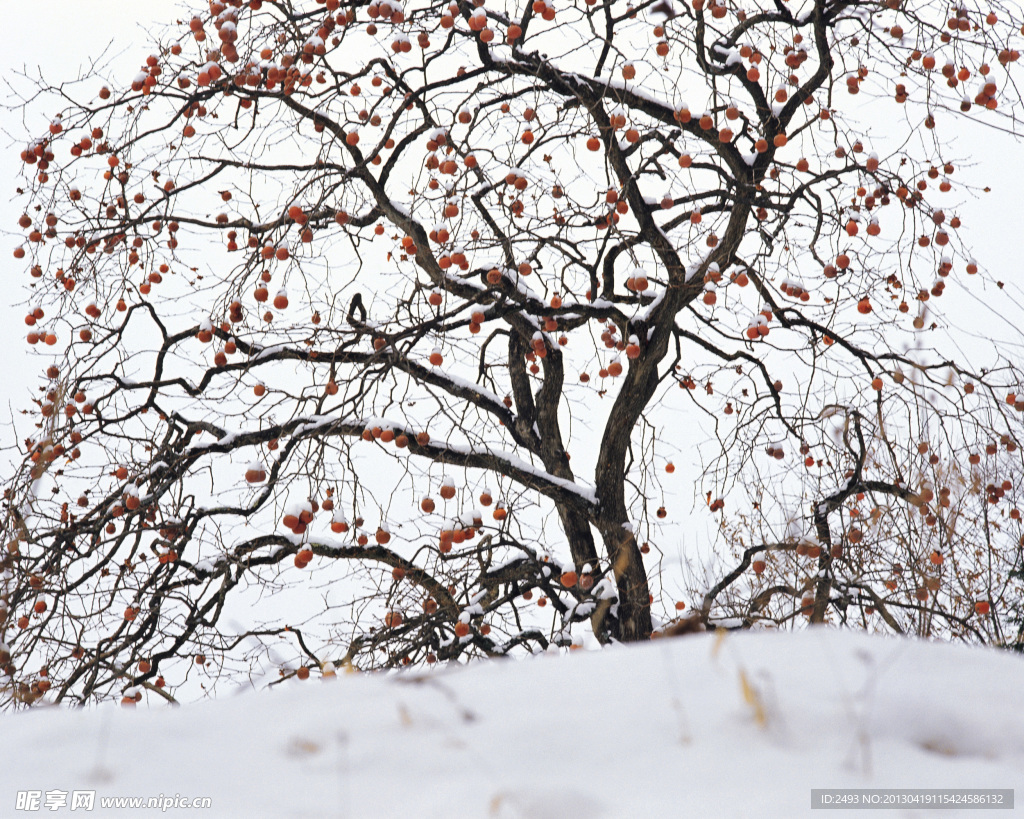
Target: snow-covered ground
742, 725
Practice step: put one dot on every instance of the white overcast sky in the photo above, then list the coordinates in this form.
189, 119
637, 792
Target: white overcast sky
60, 43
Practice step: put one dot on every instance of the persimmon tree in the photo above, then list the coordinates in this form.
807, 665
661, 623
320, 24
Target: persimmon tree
379, 334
